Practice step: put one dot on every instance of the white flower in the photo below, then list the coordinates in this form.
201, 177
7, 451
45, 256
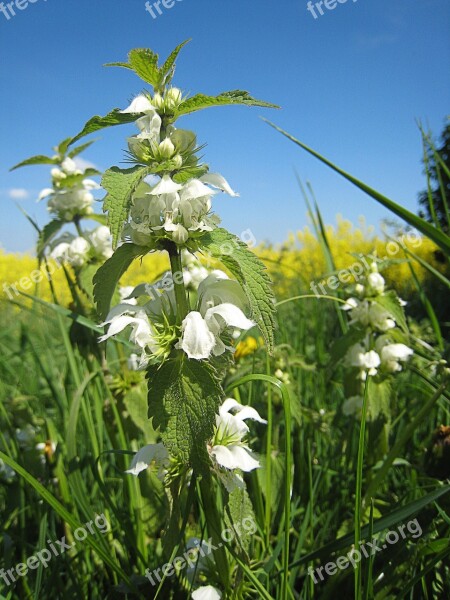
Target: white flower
140, 104
379, 318
392, 354
172, 98
352, 406
74, 250
376, 283
142, 333
69, 166
125, 295
228, 449
101, 241
201, 335
165, 186
143, 459
350, 304
206, 592
70, 202
365, 361
217, 181
78, 251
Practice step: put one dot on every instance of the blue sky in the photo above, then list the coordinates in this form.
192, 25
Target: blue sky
351, 84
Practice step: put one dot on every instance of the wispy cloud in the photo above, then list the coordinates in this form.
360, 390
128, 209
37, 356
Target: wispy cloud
18, 193
84, 164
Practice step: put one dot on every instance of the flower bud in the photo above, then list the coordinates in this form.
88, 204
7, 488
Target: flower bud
177, 161
57, 174
179, 234
158, 101
68, 165
166, 148
173, 98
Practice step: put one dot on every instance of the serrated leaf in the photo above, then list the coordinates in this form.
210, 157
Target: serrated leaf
184, 397
144, 63
120, 186
167, 70
75, 179
201, 101
108, 275
390, 302
240, 515
79, 149
193, 172
113, 118
85, 279
251, 274
40, 159
47, 234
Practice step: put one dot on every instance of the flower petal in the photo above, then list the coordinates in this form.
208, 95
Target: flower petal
206, 592
217, 181
146, 455
231, 315
140, 104
197, 340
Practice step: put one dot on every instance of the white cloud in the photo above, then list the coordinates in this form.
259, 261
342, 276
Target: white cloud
83, 164
18, 193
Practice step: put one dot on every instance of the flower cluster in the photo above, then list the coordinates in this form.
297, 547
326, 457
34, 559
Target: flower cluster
377, 351
79, 250
169, 207
228, 452
71, 196
220, 306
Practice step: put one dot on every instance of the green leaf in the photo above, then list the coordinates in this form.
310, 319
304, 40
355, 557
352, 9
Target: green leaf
124, 65
193, 172
102, 219
61, 148
108, 275
120, 186
438, 237
40, 159
115, 117
251, 274
240, 516
201, 101
166, 72
144, 63
184, 397
79, 149
390, 302
47, 234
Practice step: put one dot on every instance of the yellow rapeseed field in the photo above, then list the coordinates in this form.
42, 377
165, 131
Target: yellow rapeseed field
293, 265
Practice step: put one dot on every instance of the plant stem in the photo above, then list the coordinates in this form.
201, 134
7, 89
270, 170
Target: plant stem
76, 222
178, 281
215, 527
